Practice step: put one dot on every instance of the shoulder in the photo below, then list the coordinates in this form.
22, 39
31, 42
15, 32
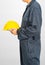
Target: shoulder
35, 6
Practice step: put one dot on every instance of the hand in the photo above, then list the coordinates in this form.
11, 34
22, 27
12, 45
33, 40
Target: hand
13, 31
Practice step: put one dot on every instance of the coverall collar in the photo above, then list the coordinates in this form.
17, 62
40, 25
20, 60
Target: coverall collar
30, 3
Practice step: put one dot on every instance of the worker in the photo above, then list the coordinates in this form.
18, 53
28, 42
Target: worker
29, 34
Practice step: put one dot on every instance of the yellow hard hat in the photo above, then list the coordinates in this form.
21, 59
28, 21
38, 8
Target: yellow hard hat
11, 24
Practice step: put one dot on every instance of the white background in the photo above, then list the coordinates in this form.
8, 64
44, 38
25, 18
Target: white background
9, 44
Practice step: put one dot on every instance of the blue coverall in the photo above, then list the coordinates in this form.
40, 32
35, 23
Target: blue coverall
29, 34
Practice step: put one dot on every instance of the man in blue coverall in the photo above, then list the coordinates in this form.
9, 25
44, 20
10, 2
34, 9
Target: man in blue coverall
29, 34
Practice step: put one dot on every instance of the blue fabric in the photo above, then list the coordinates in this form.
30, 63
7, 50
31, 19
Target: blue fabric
29, 34
31, 21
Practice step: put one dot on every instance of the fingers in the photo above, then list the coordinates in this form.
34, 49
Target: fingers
13, 31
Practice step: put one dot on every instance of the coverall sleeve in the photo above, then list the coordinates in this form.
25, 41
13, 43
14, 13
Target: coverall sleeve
34, 25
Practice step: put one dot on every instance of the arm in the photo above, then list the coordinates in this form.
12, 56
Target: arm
35, 26
36, 21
